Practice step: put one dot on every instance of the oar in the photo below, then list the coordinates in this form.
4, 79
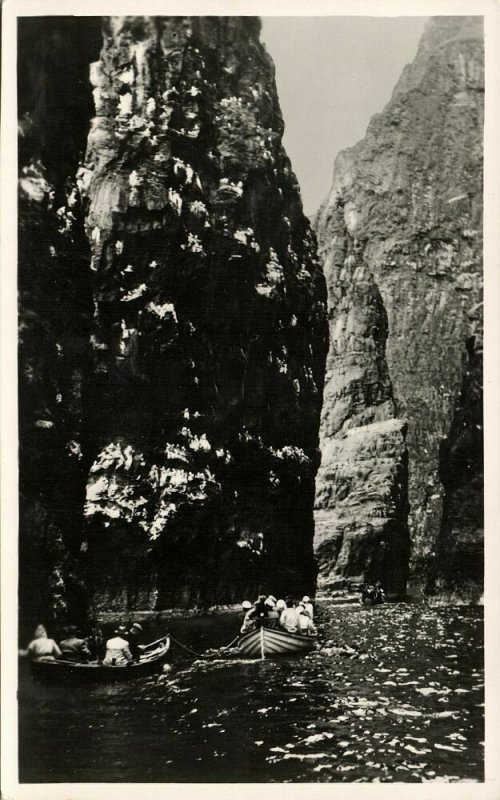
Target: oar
153, 644
227, 646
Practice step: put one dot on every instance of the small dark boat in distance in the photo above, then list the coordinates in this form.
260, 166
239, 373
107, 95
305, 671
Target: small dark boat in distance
59, 670
264, 642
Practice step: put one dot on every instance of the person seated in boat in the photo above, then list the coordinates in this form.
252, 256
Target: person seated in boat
41, 648
261, 611
289, 619
367, 594
280, 606
379, 593
306, 626
133, 637
306, 601
117, 649
272, 619
248, 617
95, 643
74, 647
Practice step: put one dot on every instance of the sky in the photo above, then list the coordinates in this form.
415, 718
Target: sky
333, 74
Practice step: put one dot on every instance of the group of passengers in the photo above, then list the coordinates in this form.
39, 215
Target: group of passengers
288, 615
372, 595
124, 647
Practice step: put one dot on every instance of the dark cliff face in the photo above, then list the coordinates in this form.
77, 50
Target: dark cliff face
207, 329
406, 317
55, 308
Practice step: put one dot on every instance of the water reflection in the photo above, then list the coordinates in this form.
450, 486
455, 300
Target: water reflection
405, 703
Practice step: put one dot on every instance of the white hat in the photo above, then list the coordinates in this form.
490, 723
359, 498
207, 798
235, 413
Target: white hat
280, 604
136, 627
306, 599
269, 602
246, 604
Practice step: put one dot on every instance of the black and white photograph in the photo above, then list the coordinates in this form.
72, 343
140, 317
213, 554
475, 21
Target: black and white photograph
246, 531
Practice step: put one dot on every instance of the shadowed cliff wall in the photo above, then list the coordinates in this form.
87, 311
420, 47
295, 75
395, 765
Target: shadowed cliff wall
55, 310
205, 324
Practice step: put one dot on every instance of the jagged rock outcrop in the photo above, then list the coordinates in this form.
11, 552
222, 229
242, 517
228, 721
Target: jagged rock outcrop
208, 323
361, 527
401, 238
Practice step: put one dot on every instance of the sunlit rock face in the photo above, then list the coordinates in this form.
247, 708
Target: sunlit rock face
362, 491
209, 324
401, 239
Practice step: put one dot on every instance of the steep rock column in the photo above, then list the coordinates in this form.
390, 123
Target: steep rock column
209, 329
361, 498
411, 194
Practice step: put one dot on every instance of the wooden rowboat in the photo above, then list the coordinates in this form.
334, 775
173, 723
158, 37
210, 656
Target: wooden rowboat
264, 642
59, 670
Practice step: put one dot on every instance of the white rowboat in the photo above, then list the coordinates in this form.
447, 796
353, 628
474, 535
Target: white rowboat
264, 642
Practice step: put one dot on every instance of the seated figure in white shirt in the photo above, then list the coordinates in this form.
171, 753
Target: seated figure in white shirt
306, 625
289, 619
117, 649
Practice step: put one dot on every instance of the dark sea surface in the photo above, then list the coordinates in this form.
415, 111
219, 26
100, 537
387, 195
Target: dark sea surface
407, 704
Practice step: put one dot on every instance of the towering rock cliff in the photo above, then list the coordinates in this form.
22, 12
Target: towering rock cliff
207, 330
401, 239
55, 310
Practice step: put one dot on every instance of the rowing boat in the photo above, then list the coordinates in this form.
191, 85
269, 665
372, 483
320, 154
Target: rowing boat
264, 642
152, 656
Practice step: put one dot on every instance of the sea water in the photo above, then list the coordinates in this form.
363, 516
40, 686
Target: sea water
404, 702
